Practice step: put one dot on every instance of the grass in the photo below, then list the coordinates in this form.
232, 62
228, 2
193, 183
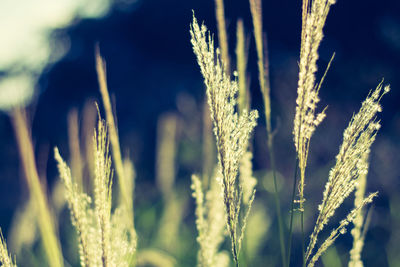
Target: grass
225, 199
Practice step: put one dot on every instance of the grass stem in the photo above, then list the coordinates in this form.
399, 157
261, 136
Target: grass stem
302, 238
277, 202
45, 219
113, 132
222, 34
289, 246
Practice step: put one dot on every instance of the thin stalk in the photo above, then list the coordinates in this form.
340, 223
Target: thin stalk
45, 219
277, 202
222, 35
241, 64
208, 146
292, 212
113, 135
302, 238
74, 147
263, 77
236, 258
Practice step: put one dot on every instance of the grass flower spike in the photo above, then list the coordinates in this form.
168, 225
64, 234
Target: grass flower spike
359, 230
350, 162
210, 223
104, 237
313, 20
232, 131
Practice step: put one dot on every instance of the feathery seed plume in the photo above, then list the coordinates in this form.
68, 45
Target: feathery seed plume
305, 121
105, 239
232, 131
350, 161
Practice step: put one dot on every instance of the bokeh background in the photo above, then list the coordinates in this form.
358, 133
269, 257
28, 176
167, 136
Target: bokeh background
152, 73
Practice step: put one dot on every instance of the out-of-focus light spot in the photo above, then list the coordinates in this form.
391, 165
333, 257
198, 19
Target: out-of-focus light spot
26, 44
16, 90
28, 26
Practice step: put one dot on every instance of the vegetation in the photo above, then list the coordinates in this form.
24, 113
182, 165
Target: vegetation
225, 193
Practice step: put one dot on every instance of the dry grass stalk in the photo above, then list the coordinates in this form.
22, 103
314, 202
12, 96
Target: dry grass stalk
102, 191
241, 65
45, 219
125, 182
232, 131
116, 150
263, 77
350, 162
89, 122
341, 229
222, 35
256, 14
74, 146
166, 154
313, 20
105, 238
208, 147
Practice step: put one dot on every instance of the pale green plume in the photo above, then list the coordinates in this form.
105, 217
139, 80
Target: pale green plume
350, 165
231, 131
305, 121
105, 239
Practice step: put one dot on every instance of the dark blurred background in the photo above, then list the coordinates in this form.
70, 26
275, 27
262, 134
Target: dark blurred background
151, 70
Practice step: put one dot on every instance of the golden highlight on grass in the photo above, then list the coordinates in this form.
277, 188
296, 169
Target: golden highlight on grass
231, 131
45, 219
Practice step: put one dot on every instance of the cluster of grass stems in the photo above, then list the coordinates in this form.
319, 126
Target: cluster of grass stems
224, 193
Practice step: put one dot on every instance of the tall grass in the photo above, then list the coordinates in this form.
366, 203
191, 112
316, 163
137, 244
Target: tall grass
358, 137
224, 194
